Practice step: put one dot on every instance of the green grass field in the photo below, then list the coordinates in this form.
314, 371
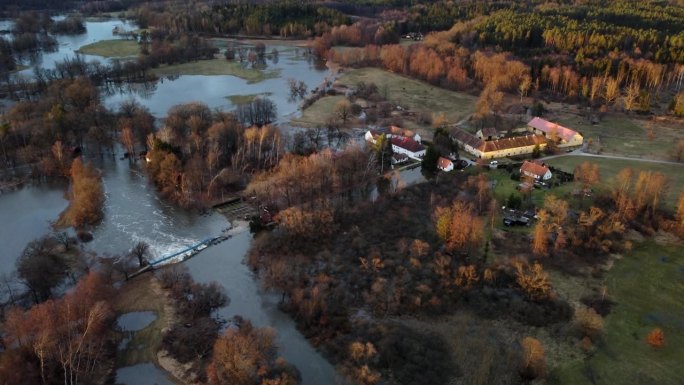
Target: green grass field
217, 67
625, 135
648, 287
317, 113
244, 99
608, 168
111, 48
414, 94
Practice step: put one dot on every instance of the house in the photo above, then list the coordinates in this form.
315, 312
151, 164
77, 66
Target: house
399, 158
488, 133
402, 132
535, 170
445, 164
372, 135
564, 136
408, 146
499, 148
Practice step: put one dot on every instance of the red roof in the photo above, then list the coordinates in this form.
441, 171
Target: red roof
408, 144
549, 127
443, 162
534, 169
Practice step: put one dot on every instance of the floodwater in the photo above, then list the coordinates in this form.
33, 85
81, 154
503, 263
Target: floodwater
142, 374
134, 212
26, 214
67, 45
250, 302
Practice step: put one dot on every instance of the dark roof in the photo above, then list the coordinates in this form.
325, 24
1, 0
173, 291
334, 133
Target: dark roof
471, 140
466, 138
408, 144
489, 131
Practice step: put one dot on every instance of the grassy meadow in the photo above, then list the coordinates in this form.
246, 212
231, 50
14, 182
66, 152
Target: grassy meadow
647, 286
608, 168
111, 48
216, 67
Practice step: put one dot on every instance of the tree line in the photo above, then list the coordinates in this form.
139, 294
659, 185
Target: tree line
283, 18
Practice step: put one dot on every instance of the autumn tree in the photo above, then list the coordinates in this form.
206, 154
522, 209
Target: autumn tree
588, 322
533, 280
363, 356
679, 215
459, 227
343, 110
86, 196
246, 355
540, 241
587, 174
656, 338
524, 86
69, 338
677, 153
533, 362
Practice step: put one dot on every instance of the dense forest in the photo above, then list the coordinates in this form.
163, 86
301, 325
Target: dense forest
577, 53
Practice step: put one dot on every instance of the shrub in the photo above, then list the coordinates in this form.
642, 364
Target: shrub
656, 338
589, 323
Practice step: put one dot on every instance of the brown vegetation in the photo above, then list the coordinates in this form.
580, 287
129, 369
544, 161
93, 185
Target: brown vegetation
66, 341
533, 360
86, 196
246, 355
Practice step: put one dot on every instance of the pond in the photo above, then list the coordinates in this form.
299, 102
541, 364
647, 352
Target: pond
134, 321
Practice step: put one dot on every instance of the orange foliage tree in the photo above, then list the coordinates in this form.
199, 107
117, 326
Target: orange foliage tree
246, 355
656, 338
533, 280
86, 196
533, 359
459, 227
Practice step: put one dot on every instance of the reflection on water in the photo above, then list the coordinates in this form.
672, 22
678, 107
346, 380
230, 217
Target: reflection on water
142, 374
25, 215
68, 44
214, 90
223, 263
136, 320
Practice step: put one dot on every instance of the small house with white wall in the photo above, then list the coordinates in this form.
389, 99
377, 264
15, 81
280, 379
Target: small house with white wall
535, 170
408, 146
445, 164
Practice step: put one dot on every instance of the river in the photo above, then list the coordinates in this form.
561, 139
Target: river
133, 211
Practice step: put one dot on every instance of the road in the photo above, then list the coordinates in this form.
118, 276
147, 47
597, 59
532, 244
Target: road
581, 153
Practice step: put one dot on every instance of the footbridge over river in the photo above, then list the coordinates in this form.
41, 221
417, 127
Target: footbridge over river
183, 254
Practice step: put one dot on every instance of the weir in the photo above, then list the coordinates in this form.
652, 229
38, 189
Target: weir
183, 254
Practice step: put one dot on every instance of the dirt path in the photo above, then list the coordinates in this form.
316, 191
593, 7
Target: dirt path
581, 153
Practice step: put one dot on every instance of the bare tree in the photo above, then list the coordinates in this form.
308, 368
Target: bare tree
141, 251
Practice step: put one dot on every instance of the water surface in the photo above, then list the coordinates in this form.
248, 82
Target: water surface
136, 320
